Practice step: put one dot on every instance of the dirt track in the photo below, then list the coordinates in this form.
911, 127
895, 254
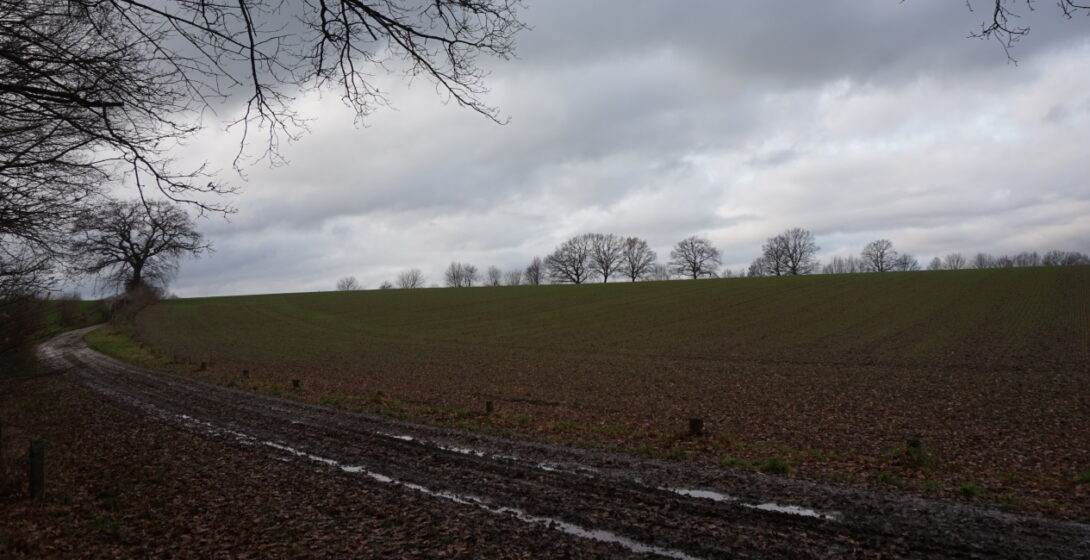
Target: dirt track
619, 504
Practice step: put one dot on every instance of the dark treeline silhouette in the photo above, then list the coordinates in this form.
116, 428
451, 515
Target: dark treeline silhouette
603, 256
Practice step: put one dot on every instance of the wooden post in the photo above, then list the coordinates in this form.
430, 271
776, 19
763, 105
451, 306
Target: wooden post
37, 469
488, 408
246, 373
696, 427
204, 366
294, 383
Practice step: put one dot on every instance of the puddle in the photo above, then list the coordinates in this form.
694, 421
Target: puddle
768, 506
549, 522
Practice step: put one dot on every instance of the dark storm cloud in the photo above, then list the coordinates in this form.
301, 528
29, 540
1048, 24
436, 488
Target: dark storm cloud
665, 119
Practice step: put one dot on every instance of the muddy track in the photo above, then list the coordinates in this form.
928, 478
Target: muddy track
631, 505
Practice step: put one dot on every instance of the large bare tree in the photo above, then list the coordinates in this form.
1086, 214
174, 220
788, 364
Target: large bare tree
410, 279
570, 262
96, 94
879, 256
792, 252
694, 257
348, 284
637, 258
461, 275
605, 254
134, 243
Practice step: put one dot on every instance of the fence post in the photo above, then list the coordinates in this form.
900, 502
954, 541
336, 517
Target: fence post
696, 427
488, 408
37, 469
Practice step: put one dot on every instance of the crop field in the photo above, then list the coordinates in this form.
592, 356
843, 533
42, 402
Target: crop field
970, 384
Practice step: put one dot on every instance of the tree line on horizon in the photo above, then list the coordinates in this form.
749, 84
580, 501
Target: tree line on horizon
604, 256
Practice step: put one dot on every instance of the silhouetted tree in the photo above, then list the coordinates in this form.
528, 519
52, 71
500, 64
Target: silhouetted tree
792, 252
94, 94
659, 273
983, 260
461, 275
512, 277
535, 272
135, 243
906, 263
637, 258
605, 254
386, 285
570, 262
843, 265
410, 279
879, 256
694, 257
1064, 258
494, 276
348, 283
1027, 259
953, 261
935, 264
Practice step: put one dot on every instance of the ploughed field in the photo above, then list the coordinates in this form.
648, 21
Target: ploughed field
824, 377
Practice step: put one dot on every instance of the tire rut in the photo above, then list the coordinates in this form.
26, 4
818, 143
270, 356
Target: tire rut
646, 506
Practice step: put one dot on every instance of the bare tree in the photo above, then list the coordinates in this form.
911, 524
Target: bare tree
791, 252
348, 284
879, 256
953, 261
1004, 262
410, 279
461, 275
386, 285
762, 266
843, 265
637, 258
94, 94
135, 243
605, 254
659, 273
512, 277
494, 276
983, 260
535, 272
906, 263
1064, 258
1027, 259
1001, 25
694, 257
935, 264
570, 262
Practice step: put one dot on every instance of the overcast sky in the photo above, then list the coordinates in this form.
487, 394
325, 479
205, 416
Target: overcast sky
734, 121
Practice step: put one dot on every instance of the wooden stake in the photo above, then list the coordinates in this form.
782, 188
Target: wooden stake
488, 407
696, 427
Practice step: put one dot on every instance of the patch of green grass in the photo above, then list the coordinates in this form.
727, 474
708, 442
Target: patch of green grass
524, 420
564, 426
886, 477
116, 344
971, 490
1083, 477
614, 429
728, 461
679, 453
928, 484
775, 465
644, 449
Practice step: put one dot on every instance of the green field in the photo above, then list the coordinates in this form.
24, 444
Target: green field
990, 368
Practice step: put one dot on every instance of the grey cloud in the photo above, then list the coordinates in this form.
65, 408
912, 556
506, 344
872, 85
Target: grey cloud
661, 120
